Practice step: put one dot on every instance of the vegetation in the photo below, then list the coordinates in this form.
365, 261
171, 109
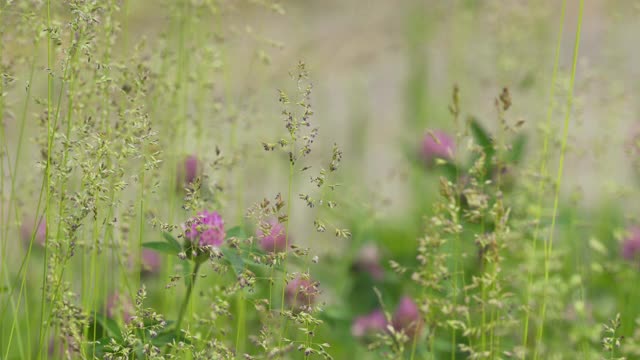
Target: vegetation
164, 197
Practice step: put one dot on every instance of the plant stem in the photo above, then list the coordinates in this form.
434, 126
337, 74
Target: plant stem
565, 134
183, 308
543, 171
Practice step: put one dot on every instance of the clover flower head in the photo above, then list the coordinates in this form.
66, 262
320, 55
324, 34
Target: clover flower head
437, 144
368, 261
373, 322
31, 225
188, 171
407, 317
119, 304
206, 229
151, 261
631, 245
272, 236
301, 292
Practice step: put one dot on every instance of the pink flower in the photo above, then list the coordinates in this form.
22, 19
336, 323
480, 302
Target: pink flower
151, 261
301, 292
29, 225
119, 305
368, 260
437, 144
631, 245
188, 171
407, 317
370, 323
272, 236
206, 229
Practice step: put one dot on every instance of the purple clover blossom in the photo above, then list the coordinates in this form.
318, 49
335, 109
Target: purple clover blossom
151, 261
119, 305
272, 236
188, 171
368, 260
29, 225
407, 317
631, 245
301, 292
373, 322
206, 229
437, 144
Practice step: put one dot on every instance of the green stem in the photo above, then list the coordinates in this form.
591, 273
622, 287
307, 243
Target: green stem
47, 180
287, 232
241, 331
565, 134
183, 308
543, 171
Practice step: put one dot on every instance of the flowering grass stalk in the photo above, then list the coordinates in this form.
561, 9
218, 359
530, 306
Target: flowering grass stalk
565, 134
543, 172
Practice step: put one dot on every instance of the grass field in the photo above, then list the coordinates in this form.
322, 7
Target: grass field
261, 179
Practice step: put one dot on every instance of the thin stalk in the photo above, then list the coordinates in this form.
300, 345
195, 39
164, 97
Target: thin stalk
241, 332
543, 170
284, 262
50, 58
183, 308
565, 134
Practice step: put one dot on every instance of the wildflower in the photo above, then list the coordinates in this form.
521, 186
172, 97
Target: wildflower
407, 317
206, 229
188, 171
437, 144
272, 236
370, 323
301, 292
151, 261
368, 261
28, 227
119, 305
631, 245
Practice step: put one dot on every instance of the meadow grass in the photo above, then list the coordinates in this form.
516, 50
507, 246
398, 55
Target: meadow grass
164, 198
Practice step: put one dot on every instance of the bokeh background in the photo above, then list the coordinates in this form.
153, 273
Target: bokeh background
383, 73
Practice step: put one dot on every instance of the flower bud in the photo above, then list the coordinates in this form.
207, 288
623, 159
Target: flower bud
437, 145
301, 292
370, 323
407, 317
34, 228
272, 236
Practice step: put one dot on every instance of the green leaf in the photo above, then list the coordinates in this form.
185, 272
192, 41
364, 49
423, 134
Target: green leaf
485, 141
110, 326
336, 314
234, 259
451, 170
517, 149
162, 247
167, 336
236, 232
482, 137
168, 237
